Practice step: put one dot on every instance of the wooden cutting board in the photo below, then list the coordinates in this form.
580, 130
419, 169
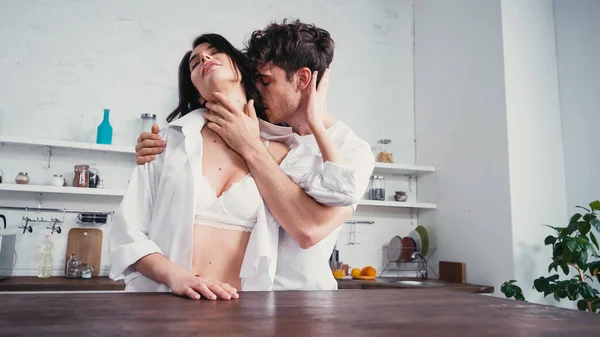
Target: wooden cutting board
87, 245
452, 272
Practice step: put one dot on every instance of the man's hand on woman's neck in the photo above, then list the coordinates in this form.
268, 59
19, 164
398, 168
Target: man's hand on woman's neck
234, 93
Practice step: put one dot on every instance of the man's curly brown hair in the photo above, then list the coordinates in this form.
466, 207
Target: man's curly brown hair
291, 46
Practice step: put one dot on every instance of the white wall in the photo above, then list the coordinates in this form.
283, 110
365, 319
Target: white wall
62, 62
537, 174
460, 113
577, 26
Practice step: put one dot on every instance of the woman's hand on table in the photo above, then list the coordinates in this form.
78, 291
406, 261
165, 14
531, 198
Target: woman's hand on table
187, 285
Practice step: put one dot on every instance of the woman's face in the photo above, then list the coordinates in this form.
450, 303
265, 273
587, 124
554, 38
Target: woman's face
211, 70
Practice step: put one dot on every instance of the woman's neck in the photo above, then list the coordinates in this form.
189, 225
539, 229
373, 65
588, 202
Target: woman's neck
235, 94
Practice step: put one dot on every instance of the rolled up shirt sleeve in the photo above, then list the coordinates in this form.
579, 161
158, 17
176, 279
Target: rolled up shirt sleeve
330, 183
128, 240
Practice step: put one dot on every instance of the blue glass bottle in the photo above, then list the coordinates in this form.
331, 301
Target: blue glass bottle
104, 135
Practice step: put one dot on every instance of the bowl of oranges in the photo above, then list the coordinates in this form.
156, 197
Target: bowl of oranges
366, 273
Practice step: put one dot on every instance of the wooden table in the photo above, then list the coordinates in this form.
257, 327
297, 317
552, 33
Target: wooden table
389, 312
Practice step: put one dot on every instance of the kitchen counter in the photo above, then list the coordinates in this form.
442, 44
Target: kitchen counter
59, 283
378, 312
32, 283
410, 282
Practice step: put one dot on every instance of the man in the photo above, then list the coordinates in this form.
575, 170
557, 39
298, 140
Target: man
287, 57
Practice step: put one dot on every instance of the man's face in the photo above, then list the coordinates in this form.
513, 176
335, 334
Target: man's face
281, 96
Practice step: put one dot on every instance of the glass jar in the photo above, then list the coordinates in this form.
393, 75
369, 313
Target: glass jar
22, 178
94, 177
146, 122
384, 152
378, 188
81, 177
87, 270
74, 267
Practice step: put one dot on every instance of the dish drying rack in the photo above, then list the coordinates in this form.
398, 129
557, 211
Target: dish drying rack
407, 266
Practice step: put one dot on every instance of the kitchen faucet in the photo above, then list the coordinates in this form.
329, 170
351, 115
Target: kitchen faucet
422, 268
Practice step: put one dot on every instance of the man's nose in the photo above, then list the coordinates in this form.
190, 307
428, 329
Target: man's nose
205, 57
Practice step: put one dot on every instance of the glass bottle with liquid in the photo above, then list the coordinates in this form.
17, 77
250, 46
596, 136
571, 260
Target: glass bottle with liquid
45, 262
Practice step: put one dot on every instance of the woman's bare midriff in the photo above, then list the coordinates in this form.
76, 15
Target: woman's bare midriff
218, 254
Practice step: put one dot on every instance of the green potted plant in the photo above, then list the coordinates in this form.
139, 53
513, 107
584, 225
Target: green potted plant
574, 248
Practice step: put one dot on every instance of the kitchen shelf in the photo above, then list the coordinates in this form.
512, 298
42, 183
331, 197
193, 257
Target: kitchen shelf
404, 169
62, 190
67, 144
418, 205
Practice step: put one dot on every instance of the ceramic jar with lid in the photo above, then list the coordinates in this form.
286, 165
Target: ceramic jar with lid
58, 180
22, 178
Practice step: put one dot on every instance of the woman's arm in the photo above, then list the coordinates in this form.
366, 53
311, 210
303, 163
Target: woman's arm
160, 269
132, 250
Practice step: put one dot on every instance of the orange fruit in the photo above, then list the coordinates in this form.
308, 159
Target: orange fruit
368, 271
355, 272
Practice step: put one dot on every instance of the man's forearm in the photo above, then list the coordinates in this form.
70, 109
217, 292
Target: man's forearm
301, 216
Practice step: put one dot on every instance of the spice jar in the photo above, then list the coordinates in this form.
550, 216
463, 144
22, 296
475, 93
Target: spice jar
378, 188
87, 270
384, 153
94, 177
22, 178
81, 177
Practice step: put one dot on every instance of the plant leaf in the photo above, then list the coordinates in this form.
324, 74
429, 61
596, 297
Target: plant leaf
581, 305
575, 218
584, 227
587, 209
572, 227
582, 259
588, 217
596, 224
595, 205
594, 268
549, 240
552, 265
572, 290
556, 297
594, 241
565, 268
552, 278
540, 284
586, 291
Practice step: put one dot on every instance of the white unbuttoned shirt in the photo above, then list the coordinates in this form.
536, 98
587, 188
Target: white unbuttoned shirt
157, 211
308, 269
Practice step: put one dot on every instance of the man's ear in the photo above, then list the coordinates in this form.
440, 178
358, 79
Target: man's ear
303, 78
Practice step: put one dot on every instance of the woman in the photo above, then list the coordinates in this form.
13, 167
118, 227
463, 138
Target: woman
226, 202
192, 221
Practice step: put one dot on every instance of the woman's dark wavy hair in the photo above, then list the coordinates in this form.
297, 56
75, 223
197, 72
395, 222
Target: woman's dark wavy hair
189, 97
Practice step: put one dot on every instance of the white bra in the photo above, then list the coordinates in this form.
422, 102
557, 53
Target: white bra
236, 209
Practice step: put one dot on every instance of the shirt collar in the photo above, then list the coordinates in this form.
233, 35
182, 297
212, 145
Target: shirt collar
193, 118
271, 130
